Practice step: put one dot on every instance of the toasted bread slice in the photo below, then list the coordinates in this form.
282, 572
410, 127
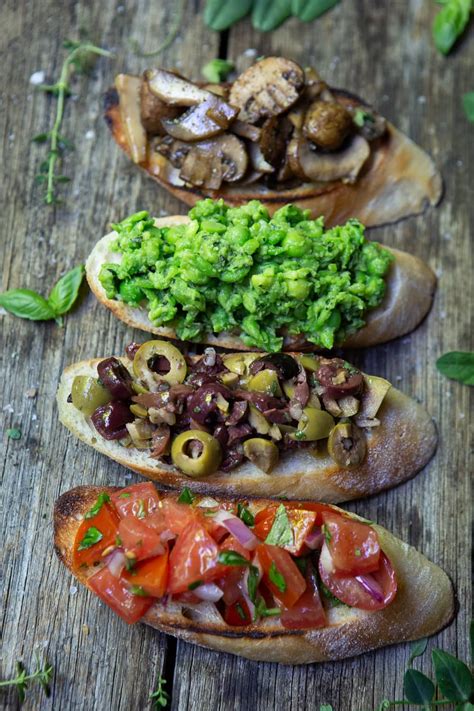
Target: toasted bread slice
423, 605
397, 449
408, 298
399, 180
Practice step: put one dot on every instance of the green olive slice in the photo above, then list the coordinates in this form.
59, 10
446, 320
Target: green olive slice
309, 362
152, 350
313, 425
239, 362
261, 452
347, 444
258, 421
206, 461
265, 381
88, 394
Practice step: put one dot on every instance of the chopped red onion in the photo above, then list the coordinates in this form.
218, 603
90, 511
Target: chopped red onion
237, 528
208, 592
315, 539
371, 586
116, 562
167, 536
326, 560
244, 588
209, 357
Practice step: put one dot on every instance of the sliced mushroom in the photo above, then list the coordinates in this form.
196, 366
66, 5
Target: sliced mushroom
274, 138
202, 170
370, 124
246, 130
313, 84
327, 124
259, 164
199, 122
221, 90
344, 164
175, 151
128, 89
174, 90
153, 109
267, 88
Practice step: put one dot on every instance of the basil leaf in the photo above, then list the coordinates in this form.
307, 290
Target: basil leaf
449, 23
453, 677
138, 590
418, 688
102, 499
125, 495
267, 15
92, 536
245, 515
325, 707
232, 558
277, 578
261, 610
309, 10
65, 291
14, 433
196, 584
217, 70
26, 304
280, 533
417, 649
457, 365
468, 105
221, 14
252, 582
185, 496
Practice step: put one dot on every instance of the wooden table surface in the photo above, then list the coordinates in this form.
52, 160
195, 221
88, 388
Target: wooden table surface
383, 51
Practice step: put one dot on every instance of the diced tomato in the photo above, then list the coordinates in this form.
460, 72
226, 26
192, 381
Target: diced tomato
115, 593
230, 583
354, 546
151, 575
353, 593
137, 500
216, 530
307, 612
238, 614
138, 538
177, 516
301, 521
281, 575
103, 527
318, 509
193, 558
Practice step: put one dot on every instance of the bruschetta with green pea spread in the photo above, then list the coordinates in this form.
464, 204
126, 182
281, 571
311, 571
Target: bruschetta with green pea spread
238, 278
279, 582
259, 424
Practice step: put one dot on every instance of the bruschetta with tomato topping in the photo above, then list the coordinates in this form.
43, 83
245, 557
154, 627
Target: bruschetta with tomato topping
293, 583
261, 424
278, 134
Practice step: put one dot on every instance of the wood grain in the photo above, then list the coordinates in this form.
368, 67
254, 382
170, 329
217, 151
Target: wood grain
383, 52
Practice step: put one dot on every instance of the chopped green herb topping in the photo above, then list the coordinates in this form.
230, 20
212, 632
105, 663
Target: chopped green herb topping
92, 536
185, 496
232, 558
277, 578
196, 584
102, 499
244, 514
125, 495
280, 532
138, 590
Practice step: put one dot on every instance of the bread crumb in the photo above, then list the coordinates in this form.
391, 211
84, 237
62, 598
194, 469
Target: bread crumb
37, 78
31, 392
85, 630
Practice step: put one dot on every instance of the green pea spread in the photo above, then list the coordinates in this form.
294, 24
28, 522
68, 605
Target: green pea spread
236, 269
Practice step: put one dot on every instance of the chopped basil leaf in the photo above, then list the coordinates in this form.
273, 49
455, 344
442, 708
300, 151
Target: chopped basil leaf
327, 534
118, 540
328, 595
357, 552
361, 116
252, 582
280, 533
240, 611
245, 515
102, 499
14, 433
130, 564
277, 578
185, 496
125, 495
261, 610
92, 536
232, 558
141, 513
196, 584
217, 70
137, 590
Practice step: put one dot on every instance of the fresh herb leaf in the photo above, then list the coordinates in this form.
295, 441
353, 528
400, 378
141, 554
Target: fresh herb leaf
160, 697
267, 15
277, 578
125, 495
26, 304
219, 15
185, 496
92, 536
261, 610
252, 582
325, 707
453, 677
14, 433
244, 514
468, 105
217, 70
418, 688
137, 590
141, 513
42, 674
64, 293
240, 611
450, 23
417, 649
232, 558
309, 10
196, 584
280, 533
328, 595
327, 533
457, 365
102, 499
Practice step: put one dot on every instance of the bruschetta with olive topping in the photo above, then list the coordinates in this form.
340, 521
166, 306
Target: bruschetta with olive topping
278, 134
240, 279
292, 582
278, 424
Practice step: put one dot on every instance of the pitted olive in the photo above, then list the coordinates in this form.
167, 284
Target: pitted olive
309, 362
239, 362
313, 425
347, 444
266, 381
258, 421
196, 453
162, 358
261, 452
284, 364
88, 394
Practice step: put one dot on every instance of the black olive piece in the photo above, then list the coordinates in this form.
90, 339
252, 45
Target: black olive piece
116, 378
284, 364
110, 420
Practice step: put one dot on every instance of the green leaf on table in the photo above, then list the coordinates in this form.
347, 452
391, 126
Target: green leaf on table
449, 23
217, 70
457, 365
267, 15
468, 105
308, 10
221, 14
471, 639
65, 291
40, 138
14, 433
27, 304
453, 677
418, 688
325, 707
417, 649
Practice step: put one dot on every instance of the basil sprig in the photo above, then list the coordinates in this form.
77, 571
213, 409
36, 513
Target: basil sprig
280, 532
221, 14
309, 10
457, 365
468, 105
450, 22
266, 15
28, 304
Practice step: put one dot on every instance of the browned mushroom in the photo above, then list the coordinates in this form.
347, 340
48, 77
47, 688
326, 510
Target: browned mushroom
128, 89
153, 109
274, 138
267, 88
370, 124
318, 166
246, 130
199, 122
174, 90
259, 164
327, 124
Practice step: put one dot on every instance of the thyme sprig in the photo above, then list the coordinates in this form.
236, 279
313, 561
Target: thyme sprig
178, 21
41, 675
160, 697
79, 60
